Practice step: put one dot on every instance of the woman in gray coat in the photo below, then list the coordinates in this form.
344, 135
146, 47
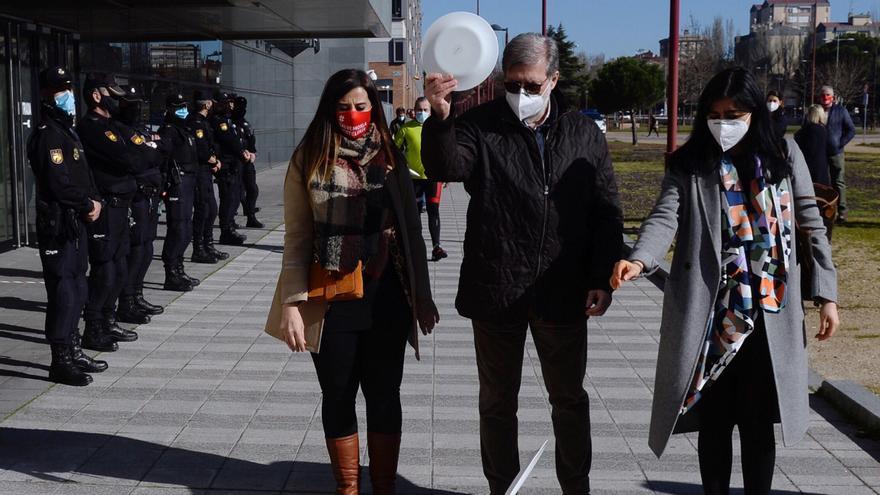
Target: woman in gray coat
733, 340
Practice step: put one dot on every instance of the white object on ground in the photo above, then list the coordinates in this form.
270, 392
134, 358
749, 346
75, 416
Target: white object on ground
523, 475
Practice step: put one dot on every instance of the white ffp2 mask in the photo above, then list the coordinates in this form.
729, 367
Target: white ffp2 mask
772, 106
527, 106
728, 132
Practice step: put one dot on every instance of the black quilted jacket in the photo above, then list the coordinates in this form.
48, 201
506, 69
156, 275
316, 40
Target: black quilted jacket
541, 231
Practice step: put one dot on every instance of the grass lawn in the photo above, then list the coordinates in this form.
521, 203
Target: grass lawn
855, 351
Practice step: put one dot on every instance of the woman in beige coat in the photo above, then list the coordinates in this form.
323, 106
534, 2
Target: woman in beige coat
349, 205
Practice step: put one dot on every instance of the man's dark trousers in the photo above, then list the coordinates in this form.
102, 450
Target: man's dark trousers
179, 216
562, 351
108, 250
143, 233
249, 189
204, 209
229, 187
64, 273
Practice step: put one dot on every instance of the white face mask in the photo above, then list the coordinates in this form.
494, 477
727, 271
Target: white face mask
527, 106
772, 106
728, 132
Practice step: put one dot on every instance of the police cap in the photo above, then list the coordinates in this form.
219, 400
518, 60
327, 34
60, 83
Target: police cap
200, 97
240, 101
132, 94
221, 96
55, 78
95, 80
175, 100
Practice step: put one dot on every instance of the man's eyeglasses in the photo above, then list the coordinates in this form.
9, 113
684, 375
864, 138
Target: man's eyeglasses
529, 87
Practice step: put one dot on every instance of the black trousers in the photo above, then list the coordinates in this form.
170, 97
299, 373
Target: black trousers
562, 351
204, 208
179, 217
744, 397
64, 273
431, 191
108, 251
370, 359
143, 233
229, 186
249, 189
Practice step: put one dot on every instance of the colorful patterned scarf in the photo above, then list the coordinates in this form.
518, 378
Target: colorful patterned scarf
755, 245
347, 204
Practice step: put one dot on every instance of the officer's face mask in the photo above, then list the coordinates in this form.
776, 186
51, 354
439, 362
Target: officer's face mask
110, 104
181, 113
65, 102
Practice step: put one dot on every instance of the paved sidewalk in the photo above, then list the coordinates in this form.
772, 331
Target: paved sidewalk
205, 402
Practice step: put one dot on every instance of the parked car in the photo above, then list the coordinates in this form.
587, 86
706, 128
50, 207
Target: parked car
597, 117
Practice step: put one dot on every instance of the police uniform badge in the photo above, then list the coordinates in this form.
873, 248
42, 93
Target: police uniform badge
200, 133
137, 139
111, 136
60, 71
56, 156
223, 126
76, 154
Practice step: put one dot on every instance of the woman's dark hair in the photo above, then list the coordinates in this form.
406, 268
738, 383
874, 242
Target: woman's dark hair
701, 154
773, 93
319, 147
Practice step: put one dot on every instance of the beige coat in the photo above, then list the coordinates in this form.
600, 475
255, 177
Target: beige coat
293, 281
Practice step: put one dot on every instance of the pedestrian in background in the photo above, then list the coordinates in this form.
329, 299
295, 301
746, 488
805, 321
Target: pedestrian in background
249, 189
544, 229
732, 346
399, 120
812, 138
841, 131
349, 210
409, 140
652, 125
777, 113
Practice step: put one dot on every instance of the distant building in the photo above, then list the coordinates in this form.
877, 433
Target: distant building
398, 60
175, 56
776, 49
650, 57
856, 24
798, 14
689, 46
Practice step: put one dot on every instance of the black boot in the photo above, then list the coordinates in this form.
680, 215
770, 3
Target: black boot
192, 280
150, 309
253, 222
202, 255
118, 333
220, 255
63, 370
130, 312
81, 360
232, 238
95, 339
175, 281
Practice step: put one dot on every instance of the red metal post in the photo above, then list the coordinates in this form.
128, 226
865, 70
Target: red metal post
544, 17
672, 86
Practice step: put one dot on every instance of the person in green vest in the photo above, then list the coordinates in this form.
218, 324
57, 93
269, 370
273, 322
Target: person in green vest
409, 139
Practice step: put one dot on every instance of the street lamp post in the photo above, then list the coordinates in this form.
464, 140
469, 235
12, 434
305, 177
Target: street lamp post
837, 51
672, 83
496, 27
544, 17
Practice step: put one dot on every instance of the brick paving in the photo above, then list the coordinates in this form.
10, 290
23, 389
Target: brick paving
206, 403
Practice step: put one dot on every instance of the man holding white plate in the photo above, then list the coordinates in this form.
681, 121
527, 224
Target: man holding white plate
544, 228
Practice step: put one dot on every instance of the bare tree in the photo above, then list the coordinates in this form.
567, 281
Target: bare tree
848, 78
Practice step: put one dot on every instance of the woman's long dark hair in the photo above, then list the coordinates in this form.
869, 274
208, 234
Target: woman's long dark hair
320, 146
701, 154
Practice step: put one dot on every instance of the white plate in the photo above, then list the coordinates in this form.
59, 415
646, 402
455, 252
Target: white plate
462, 44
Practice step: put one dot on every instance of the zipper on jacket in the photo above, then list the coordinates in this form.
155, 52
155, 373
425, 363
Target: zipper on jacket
546, 195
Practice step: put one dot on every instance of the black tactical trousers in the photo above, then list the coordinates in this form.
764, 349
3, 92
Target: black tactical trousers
205, 208
108, 251
178, 219
249, 189
64, 273
143, 233
229, 185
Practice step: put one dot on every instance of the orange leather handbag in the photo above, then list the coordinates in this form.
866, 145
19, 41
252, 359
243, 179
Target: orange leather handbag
328, 286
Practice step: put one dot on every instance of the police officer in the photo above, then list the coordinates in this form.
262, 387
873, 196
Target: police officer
249, 191
205, 209
133, 308
66, 199
114, 165
180, 185
232, 155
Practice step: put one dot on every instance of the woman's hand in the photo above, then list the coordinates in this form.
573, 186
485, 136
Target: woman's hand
292, 328
829, 320
428, 316
625, 271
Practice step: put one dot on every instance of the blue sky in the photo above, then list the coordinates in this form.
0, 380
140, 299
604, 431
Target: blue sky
615, 27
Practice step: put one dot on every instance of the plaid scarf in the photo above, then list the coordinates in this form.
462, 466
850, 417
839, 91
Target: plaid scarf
348, 202
756, 243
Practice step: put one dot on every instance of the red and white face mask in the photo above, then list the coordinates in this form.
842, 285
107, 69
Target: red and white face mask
354, 123
827, 100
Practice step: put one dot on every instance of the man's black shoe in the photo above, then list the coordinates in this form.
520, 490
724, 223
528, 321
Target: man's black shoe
220, 255
63, 370
130, 312
85, 363
95, 339
232, 238
438, 253
150, 309
192, 280
201, 255
118, 333
253, 223
175, 282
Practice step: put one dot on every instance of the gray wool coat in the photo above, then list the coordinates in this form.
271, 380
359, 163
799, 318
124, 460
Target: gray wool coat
690, 205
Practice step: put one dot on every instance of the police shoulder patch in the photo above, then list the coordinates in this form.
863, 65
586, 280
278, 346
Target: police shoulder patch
200, 133
111, 136
223, 126
56, 156
76, 154
137, 139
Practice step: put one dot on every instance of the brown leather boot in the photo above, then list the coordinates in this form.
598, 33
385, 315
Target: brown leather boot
384, 451
344, 459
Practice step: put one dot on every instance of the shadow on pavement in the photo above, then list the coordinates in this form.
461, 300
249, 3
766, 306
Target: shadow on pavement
18, 303
14, 332
869, 445
679, 488
20, 273
43, 454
